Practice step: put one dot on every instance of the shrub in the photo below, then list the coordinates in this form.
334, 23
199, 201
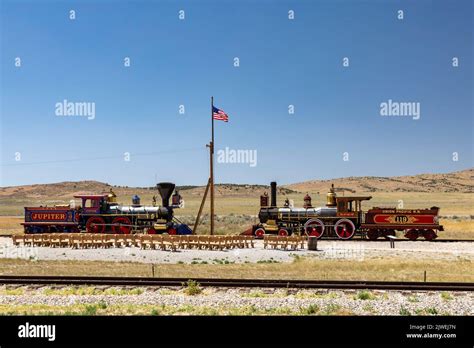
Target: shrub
446, 296
364, 295
192, 288
311, 309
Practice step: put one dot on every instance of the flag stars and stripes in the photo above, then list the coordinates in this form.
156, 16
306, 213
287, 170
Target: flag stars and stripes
219, 114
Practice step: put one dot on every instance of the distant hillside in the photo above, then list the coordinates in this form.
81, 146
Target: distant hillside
62, 190
462, 181
453, 182
67, 189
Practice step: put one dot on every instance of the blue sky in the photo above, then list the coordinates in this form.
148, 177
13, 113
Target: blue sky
183, 62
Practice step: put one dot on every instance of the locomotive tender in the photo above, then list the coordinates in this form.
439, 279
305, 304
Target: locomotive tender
100, 213
342, 217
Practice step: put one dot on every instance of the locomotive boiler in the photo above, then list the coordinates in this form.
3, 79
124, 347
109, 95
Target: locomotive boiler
100, 213
342, 218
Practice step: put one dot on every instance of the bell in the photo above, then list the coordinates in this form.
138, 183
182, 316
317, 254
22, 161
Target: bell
331, 197
112, 197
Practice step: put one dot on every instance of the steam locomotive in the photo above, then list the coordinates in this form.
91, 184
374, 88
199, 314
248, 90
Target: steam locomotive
342, 218
100, 213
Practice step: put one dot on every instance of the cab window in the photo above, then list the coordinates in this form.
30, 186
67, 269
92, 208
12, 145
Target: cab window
341, 206
91, 203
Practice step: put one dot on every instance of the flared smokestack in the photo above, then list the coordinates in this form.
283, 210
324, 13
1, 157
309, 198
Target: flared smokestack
166, 190
273, 186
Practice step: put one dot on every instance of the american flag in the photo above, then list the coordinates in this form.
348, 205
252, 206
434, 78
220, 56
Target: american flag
220, 115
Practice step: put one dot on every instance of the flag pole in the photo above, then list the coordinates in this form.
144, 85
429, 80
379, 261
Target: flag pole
212, 169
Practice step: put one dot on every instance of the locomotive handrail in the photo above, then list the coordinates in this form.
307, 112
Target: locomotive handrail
175, 219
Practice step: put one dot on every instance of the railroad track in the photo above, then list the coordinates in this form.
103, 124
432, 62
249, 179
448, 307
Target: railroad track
247, 283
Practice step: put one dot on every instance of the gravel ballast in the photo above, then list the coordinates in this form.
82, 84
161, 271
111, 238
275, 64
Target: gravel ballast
295, 301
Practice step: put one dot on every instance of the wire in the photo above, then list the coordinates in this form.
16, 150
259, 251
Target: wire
19, 163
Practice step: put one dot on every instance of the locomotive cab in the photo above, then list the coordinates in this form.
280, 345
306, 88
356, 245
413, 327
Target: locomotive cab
350, 204
350, 210
93, 203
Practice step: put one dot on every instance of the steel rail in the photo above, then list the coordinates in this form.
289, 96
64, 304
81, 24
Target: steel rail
244, 283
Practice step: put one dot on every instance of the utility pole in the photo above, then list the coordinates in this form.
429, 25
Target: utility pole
210, 183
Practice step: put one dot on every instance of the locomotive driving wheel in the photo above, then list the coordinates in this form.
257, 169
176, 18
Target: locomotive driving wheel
344, 229
150, 230
283, 232
95, 225
314, 228
121, 225
259, 232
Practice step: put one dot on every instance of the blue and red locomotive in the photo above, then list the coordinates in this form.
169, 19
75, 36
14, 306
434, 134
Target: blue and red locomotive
100, 213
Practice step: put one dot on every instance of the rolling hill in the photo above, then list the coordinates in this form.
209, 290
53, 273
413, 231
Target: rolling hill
461, 181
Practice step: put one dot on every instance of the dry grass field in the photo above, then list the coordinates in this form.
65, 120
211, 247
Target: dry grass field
389, 269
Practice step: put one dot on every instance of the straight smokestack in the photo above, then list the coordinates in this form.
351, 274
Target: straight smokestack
273, 186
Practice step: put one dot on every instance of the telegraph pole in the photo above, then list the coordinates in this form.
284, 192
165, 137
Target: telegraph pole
210, 182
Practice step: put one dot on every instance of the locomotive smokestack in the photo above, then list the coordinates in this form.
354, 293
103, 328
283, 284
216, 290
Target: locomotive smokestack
273, 191
165, 189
